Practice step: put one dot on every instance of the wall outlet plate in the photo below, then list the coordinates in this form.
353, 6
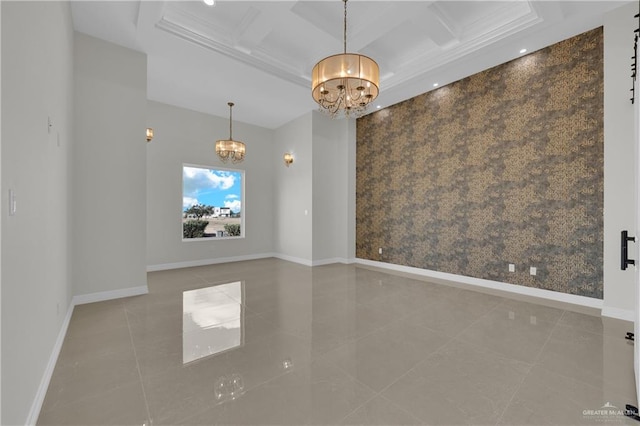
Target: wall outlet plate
512, 267
533, 270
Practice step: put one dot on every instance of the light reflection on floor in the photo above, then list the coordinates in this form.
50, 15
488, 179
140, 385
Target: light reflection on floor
212, 320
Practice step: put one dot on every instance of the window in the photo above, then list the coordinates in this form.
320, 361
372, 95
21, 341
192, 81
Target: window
212, 201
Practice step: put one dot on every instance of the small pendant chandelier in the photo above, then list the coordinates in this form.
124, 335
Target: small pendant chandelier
228, 148
345, 84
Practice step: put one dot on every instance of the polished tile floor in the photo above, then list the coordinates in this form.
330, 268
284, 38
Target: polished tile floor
272, 342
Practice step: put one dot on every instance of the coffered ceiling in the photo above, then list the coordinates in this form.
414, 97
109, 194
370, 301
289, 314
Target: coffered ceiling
259, 54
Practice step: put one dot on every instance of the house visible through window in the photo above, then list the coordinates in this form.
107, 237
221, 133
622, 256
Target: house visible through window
212, 202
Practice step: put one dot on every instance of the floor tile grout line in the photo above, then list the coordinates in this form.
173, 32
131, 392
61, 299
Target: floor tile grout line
422, 361
135, 354
432, 353
411, 415
531, 367
340, 421
439, 349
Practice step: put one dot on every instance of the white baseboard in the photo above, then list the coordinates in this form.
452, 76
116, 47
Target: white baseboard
617, 313
204, 262
108, 295
495, 285
36, 406
331, 261
299, 260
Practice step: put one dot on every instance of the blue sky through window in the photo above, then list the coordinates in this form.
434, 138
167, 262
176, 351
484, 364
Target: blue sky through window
212, 187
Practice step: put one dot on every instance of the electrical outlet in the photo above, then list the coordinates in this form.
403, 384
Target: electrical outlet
533, 270
512, 267
380, 250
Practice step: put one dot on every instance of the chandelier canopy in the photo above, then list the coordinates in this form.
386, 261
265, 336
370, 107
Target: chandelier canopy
228, 148
345, 84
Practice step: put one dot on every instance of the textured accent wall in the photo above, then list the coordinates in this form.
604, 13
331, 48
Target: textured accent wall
505, 166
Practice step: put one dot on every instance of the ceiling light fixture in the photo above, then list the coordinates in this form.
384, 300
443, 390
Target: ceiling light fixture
209, 2
345, 84
228, 148
435, 84
523, 50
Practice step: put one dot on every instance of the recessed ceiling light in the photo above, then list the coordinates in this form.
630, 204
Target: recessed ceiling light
523, 50
209, 2
435, 84
378, 107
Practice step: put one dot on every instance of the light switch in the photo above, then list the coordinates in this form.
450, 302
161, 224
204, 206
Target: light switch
533, 270
12, 203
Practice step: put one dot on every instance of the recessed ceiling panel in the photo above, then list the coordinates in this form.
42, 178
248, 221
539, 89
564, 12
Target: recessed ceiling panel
415, 42
260, 53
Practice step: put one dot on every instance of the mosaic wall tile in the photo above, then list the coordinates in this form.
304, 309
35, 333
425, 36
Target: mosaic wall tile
505, 166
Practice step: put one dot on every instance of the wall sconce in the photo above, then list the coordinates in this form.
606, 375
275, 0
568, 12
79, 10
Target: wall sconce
149, 134
288, 159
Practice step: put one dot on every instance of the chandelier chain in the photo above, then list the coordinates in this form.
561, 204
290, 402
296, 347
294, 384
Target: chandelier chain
230, 120
345, 26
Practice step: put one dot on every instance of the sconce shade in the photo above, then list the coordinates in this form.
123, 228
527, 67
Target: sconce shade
149, 134
288, 159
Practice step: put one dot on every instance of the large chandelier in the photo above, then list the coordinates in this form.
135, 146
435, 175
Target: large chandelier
228, 148
345, 84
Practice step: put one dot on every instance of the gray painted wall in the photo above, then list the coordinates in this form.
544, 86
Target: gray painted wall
330, 187
184, 136
293, 200
37, 73
109, 167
